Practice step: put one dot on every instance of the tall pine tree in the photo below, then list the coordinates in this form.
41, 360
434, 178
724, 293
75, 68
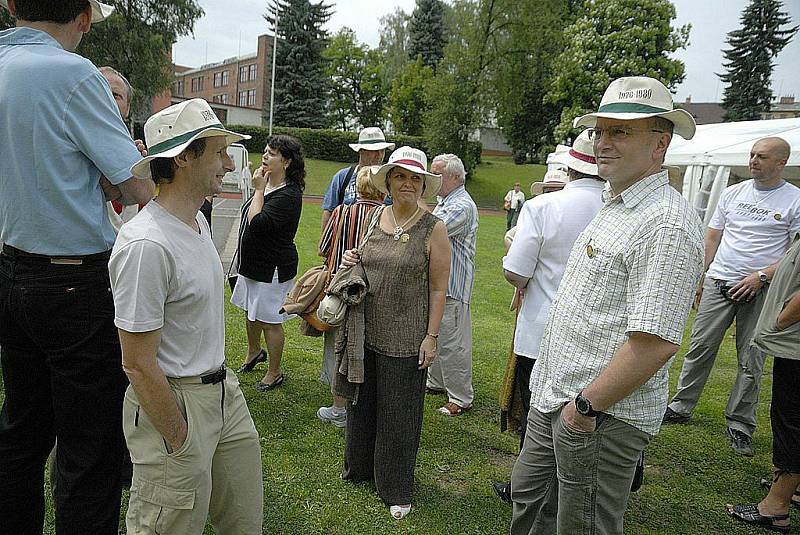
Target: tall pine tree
301, 85
426, 30
749, 59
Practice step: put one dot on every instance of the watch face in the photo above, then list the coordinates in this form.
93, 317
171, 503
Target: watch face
582, 405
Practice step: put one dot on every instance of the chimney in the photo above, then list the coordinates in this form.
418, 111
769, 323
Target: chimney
688, 99
787, 100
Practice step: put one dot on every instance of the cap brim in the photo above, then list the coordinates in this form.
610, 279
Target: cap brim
682, 119
141, 169
372, 146
432, 182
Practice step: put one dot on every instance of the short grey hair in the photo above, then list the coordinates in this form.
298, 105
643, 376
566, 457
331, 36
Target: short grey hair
111, 71
453, 166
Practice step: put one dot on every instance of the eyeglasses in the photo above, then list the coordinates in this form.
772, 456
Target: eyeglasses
617, 133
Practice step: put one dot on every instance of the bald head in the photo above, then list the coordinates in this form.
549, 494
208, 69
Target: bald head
768, 157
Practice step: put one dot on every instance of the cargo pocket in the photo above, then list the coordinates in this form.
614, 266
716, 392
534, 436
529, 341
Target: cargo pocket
155, 508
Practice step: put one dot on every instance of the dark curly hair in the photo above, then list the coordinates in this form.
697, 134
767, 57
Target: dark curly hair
163, 169
291, 149
60, 12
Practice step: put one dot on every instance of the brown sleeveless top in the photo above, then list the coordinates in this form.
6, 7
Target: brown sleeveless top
396, 305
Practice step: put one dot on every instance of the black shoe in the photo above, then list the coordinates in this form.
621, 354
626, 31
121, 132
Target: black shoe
266, 387
672, 417
503, 491
741, 443
248, 366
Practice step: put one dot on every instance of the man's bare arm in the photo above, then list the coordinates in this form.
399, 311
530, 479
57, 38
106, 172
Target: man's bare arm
136, 191
151, 387
517, 281
790, 313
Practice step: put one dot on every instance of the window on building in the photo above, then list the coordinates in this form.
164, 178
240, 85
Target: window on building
197, 84
253, 70
179, 87
242, 98
251, 97
217, 79
221, 98
225, 78
243, 74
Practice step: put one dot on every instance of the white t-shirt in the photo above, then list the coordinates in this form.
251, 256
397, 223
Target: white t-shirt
757, 228
548, 226
166, 276
515, 198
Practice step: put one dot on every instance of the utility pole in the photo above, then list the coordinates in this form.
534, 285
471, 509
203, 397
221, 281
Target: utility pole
274, 55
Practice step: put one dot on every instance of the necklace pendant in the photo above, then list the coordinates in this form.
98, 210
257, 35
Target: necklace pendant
404, 238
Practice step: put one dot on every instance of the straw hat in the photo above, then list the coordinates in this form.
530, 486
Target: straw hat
640, 97
411, 160
371, 139
555, 179
168, 132
580, 156
100, 12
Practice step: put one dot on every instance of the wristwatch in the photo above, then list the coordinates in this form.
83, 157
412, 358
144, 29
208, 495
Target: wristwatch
762, 277
584, 406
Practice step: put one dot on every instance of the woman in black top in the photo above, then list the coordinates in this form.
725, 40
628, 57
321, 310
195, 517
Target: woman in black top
267, 254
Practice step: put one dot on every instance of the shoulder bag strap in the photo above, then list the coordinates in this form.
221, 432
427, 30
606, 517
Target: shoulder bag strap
343, 189
344, 216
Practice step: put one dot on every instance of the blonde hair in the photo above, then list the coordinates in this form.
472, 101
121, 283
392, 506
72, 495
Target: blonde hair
364, 186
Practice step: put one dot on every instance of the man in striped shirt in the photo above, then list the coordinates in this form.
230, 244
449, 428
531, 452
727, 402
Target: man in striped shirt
452, 371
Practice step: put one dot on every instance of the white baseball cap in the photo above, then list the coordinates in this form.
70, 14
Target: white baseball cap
100, 12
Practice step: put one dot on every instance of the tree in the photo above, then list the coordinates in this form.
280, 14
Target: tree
393, 44
359, 96
533, 37
426, 31
301, 86
137, 38
749, 59
459, 90
611, 39
408, 99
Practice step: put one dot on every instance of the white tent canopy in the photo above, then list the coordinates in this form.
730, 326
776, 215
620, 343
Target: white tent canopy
717, 150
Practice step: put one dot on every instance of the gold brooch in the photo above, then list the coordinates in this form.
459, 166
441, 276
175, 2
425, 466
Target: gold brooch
777, 216
590, 251
404, 238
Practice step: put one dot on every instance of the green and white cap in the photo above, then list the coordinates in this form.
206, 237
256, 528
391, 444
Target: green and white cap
371, 138
168, 132
100, 12
640, 97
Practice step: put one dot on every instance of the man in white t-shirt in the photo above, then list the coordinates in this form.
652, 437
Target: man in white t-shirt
547, 229
194, 446
754, 224
513, 202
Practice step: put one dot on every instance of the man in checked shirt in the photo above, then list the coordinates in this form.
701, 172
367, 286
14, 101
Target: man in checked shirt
599, 385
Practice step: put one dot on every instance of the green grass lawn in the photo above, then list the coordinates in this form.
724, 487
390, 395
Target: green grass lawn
493, 178
691, 471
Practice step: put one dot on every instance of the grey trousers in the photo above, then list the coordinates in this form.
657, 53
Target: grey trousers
714, 315
452, 369
569, 482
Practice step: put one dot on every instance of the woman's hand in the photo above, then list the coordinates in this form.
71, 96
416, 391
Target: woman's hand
427, 351
260, 178
350, 258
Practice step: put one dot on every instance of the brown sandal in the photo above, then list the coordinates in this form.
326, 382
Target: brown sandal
452, 409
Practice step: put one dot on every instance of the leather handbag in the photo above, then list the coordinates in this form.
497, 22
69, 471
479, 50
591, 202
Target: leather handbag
332, 309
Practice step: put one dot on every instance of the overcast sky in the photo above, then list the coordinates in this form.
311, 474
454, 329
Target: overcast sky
230, 28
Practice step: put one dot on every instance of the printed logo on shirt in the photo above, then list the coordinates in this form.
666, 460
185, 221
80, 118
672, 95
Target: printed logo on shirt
755, 212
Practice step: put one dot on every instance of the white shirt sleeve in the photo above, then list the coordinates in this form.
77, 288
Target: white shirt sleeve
523, 255
140, 272
718, 219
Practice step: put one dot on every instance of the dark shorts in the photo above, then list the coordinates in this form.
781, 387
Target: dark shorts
785, 415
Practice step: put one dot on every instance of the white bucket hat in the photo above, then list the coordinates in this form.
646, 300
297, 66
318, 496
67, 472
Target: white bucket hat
371, 139
168, 132
580, 156
100, 12
410, 159
555, 179
640, 97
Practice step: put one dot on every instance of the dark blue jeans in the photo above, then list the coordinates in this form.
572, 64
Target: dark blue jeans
63, 379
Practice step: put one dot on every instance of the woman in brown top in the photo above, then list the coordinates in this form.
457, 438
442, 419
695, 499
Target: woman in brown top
407, 264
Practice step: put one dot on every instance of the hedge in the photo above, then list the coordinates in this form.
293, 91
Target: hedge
333, 145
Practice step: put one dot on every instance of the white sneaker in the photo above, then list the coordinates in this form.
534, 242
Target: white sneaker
333, 415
